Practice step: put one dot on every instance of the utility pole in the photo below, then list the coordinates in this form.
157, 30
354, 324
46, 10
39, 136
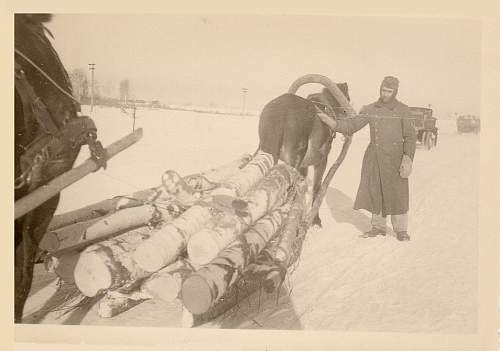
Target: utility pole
91, 68
244, 90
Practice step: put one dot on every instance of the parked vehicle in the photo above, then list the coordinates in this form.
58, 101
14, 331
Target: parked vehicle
468, 123
425, 124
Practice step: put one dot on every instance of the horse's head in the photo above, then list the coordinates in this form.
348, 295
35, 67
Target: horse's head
327, 98
32, 44
332, 101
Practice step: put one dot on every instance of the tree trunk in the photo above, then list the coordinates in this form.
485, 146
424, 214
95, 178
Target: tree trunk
211, 282
268, 194
107, 264
166, 283
199, 182
243, 288
102, 208
249, 175
124, 220
168, 242
79, 237
213, 177
64, 237
287, 251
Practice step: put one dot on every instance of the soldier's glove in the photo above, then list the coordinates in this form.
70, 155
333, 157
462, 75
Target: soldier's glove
406, 167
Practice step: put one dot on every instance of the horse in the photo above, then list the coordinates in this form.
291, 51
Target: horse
48, 136
291, 131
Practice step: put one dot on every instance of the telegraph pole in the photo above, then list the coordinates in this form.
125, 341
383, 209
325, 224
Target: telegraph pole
244, 90
91, 68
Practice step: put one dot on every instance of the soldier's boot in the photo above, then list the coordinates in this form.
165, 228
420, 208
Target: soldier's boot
402, 236
373, 233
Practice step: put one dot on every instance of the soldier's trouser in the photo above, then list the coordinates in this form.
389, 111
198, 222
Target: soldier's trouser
399, 222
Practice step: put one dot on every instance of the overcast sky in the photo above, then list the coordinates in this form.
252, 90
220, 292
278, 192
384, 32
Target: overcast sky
208, 59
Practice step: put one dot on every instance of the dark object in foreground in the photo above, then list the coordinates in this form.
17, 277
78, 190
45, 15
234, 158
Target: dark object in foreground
45, 192
48, 137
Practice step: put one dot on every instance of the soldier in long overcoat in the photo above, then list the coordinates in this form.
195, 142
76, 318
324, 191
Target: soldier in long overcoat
388, 159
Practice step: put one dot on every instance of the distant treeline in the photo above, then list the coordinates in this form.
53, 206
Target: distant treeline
155, 104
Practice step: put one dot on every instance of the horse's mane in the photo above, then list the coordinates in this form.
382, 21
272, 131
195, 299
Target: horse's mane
32, 41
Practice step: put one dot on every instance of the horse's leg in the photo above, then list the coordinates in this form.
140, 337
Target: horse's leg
31, 228
319, 170
297, 129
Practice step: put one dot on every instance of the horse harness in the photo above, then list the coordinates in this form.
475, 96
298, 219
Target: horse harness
50, 140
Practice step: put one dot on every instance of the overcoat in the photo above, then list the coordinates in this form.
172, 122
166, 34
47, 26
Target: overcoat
382, 190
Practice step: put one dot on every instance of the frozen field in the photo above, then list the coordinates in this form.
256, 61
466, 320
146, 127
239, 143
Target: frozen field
342, 282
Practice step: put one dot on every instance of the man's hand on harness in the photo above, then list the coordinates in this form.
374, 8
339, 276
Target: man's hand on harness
329, 121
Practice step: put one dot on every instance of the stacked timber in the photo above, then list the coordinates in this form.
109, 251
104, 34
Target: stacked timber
248, 263
168, 242
71, 233
206, 240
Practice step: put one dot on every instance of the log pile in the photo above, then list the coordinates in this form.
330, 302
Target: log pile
208, 239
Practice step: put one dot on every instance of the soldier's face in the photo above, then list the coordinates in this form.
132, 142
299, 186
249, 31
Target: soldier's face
386, 93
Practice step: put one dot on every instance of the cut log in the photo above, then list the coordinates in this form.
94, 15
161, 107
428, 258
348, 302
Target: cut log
269, 193
102, 208
166, 284
249, 175
209, 283
123, 220
168, 242
286, 251
200, 182
247, 263
65, 237
256, 276
212, 178
80, 235
243, 288
107, 264
114, 303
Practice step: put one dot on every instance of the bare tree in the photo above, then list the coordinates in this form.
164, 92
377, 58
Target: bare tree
78, 77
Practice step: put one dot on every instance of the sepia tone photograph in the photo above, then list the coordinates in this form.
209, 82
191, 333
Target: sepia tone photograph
265, 172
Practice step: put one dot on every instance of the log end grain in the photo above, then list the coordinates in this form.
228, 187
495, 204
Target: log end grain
202, 248
165, 287
196, 294
91, 274
49, 242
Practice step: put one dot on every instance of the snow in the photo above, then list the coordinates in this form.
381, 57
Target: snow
342, 281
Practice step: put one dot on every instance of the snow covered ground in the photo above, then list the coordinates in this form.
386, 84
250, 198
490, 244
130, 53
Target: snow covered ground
342, 282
